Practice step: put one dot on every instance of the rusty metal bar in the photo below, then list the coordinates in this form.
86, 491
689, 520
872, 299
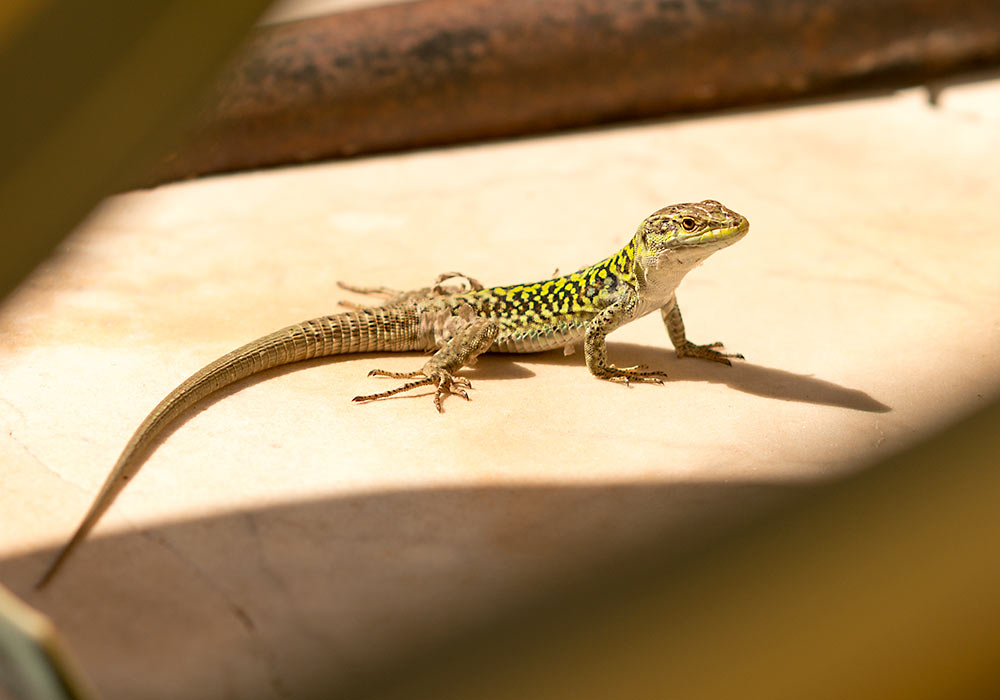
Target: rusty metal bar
444, 71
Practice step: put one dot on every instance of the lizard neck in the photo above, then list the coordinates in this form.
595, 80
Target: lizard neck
658, 274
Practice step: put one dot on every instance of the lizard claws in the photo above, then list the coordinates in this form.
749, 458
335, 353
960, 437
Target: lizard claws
708, 352
443, 381
637, 373
447, 383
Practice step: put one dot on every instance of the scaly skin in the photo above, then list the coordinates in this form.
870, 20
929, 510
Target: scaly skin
460, 324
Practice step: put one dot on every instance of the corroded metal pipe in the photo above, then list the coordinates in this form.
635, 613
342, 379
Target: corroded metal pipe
443, 71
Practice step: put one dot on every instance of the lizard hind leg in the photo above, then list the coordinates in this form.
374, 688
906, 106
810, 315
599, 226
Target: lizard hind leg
460, 351
445, 381
385, 293
370, 291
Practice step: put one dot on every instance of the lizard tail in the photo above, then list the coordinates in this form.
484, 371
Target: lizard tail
376, 329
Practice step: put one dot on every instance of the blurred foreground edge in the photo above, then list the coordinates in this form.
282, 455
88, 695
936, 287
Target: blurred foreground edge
93, 92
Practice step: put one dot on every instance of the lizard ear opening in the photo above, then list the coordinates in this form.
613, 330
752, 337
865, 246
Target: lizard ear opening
641, 235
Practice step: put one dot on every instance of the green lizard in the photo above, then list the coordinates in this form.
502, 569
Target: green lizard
460, 323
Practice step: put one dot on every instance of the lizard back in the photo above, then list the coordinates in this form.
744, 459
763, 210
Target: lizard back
552, 313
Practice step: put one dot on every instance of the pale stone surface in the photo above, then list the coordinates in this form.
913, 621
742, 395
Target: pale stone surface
284, 532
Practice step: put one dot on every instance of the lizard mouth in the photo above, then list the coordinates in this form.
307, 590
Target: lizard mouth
725, 236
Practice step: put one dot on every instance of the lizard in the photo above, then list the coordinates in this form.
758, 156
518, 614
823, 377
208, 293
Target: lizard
458, 323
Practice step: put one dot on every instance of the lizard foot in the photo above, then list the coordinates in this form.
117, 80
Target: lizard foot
372, 291
445, 381
440, 290
638, 373
707, 352
384, 292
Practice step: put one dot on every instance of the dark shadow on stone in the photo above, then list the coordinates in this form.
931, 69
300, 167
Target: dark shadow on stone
325, 588
744, 376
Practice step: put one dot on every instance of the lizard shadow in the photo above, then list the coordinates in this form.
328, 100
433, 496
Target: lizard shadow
747, 377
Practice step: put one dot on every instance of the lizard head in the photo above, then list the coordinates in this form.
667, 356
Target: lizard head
699, 227
676, 239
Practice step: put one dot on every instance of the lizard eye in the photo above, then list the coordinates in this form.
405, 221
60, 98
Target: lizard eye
688, 223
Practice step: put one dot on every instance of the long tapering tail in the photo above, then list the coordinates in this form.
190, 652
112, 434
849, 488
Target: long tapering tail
376, 329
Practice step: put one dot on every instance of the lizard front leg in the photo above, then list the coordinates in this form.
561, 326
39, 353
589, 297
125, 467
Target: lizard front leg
460, 351
595, 344
671, 314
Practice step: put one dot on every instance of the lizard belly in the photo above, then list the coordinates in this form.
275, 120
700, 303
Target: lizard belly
539, 338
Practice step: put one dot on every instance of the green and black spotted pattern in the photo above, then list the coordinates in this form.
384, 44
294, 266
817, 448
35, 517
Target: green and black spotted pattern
549, 314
